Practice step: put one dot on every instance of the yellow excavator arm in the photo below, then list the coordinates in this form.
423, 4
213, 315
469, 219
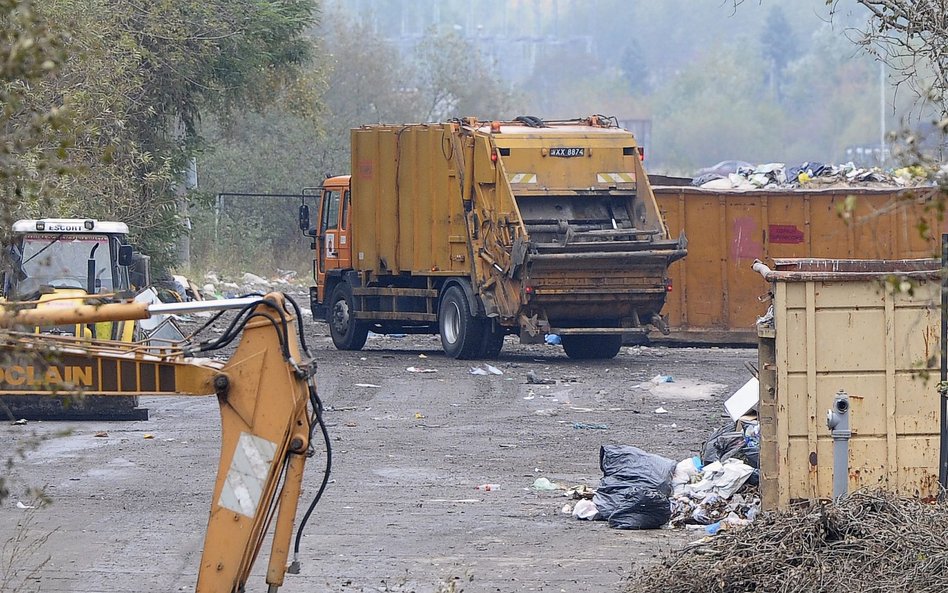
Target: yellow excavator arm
267, 396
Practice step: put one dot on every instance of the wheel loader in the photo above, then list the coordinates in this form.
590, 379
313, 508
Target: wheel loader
60, 262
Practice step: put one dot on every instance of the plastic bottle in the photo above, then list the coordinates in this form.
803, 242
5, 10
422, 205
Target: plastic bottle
487, 487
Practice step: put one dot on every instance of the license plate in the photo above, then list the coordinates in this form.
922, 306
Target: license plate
567, 152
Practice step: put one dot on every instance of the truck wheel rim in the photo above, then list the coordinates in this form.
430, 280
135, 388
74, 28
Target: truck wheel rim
452, 323
341, 316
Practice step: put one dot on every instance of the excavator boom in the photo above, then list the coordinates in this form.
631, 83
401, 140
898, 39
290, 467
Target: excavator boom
268, 402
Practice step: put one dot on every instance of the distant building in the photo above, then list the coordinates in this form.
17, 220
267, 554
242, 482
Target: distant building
867, 155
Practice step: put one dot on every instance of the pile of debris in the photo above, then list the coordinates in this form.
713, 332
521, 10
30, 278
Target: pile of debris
216, 286
810, 175
714, 490
867, 541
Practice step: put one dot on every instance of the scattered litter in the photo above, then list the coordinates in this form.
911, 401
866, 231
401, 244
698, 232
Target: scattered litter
807, 175
534, 379
583, 491
767, 318
590, 426
486, 370
744, 399
487, 487
739, 440
586, 510
553, 340
420, 370
19, 422
529, 397
20, 505
661, 411
422, 356
686, 471
546, 412
544, 485
419, 416
253, 279
721, 479
148, 436
662, 379
365, 385
101, 434
567, 509
683, 389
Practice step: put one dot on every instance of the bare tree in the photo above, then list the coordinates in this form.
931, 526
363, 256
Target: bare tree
911, 38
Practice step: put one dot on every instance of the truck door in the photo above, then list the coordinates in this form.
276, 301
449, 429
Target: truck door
343, 237
328, 237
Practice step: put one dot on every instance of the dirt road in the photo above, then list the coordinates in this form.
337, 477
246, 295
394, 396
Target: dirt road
402, 512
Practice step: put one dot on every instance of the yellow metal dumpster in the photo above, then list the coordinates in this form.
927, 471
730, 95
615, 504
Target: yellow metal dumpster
846, 325
715, 297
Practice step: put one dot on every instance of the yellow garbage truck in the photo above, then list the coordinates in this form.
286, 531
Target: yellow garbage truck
476, 230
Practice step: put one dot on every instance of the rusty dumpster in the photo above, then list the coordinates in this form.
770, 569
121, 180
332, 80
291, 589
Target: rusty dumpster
872, 330
715, 292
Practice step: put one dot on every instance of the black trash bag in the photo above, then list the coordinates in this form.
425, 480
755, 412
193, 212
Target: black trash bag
724, 443
727, 442
628, 506
634, 490
635, 465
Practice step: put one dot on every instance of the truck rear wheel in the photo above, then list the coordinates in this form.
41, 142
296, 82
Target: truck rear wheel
461, 333
493, 341
592, 347
348, 333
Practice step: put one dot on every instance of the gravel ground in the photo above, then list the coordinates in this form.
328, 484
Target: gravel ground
402, 512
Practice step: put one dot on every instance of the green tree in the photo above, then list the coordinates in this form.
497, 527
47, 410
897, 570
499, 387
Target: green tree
779, 47
33, 137
714, 110
366, 81
912, 39
455, 80
140, 77
634, 68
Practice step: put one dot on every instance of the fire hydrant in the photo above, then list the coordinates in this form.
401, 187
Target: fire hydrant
837, 420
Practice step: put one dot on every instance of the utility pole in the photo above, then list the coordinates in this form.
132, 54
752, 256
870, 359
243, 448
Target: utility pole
881, 113
186, 183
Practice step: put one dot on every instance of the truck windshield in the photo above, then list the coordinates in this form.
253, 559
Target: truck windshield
61, 261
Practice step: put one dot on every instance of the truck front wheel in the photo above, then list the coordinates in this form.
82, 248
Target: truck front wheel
592, 347
348, 333
461, 333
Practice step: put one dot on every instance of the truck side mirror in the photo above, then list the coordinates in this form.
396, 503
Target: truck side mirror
304, 217
139, 272
125, 255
